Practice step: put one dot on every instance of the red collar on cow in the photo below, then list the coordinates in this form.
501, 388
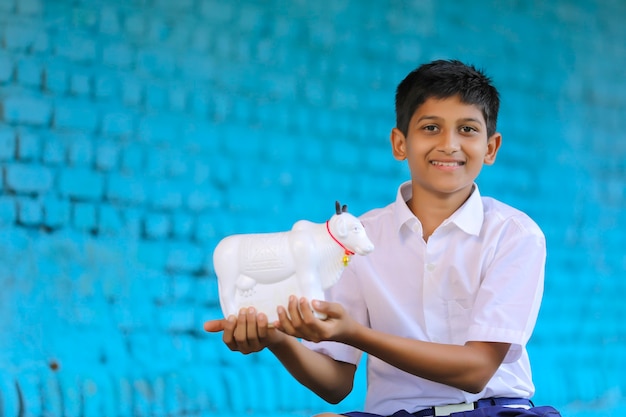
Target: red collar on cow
346, 252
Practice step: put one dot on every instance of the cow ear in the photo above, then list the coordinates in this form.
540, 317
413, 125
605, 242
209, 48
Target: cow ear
340, 224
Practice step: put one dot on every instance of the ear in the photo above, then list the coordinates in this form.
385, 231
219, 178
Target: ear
493, 145
340, 225
398, 144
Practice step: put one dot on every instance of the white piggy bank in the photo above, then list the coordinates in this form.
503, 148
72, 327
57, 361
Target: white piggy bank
262, 270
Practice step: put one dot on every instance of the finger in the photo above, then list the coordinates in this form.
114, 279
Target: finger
262, 324
241, 331
251, 331
329, 309
214, 326
301, 318
229, 328
284, 323
294, 311
306, 312
310, 323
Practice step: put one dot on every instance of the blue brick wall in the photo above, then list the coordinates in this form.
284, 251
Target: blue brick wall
134, 135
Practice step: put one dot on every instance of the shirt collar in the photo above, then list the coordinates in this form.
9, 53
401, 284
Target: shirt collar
469, 217
404, 215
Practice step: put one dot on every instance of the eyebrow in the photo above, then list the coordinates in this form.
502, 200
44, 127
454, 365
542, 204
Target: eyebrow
463, 120
471, 119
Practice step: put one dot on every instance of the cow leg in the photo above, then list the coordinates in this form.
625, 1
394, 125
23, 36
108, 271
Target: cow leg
245, 285
311, 289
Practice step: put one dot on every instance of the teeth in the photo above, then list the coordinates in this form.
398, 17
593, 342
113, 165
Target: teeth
446, 164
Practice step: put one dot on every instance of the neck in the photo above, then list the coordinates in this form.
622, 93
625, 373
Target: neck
431, 209
336, 257
347, 251
332, 265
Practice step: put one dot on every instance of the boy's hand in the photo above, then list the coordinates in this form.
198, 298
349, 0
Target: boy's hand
299, 320
247, 333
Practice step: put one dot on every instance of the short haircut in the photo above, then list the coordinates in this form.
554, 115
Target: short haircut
444, 79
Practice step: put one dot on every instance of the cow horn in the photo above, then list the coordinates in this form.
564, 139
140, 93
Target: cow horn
344, 209
337, 207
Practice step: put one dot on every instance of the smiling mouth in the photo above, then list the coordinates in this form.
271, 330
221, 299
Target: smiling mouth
447, 164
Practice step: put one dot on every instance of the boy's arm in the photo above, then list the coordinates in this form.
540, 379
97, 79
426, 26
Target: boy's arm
248, 332
468, 367
330, 379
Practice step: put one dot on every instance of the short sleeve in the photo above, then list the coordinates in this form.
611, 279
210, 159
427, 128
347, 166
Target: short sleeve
507, 304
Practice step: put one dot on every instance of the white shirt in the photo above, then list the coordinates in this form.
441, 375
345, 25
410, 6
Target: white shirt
478, 278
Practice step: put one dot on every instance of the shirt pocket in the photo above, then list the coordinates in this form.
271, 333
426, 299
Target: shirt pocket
459, 313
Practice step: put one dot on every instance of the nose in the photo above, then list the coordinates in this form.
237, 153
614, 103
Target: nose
449, 143
367, 248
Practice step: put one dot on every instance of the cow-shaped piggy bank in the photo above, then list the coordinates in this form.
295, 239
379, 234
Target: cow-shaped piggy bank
262, 270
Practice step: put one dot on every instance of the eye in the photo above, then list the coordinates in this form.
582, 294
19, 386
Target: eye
430, 128
468, 129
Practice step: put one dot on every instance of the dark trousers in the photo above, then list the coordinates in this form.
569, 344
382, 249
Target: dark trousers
490, 411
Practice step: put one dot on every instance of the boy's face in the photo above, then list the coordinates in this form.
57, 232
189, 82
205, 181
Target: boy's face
446, 146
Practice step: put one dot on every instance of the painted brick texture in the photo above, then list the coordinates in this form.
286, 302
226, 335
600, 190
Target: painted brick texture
135, 135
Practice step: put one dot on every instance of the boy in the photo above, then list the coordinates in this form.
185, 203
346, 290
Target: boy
448, 300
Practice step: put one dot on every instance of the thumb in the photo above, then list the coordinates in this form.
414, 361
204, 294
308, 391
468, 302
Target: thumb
330, 309
214, 326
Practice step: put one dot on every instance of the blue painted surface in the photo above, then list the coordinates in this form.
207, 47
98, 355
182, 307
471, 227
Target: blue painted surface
134, 135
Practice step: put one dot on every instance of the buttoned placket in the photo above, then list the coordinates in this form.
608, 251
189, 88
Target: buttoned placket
435, 306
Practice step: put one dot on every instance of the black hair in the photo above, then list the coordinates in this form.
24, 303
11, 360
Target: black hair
444, 79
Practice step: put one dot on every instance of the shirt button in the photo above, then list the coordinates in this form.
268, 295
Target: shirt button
430, 267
